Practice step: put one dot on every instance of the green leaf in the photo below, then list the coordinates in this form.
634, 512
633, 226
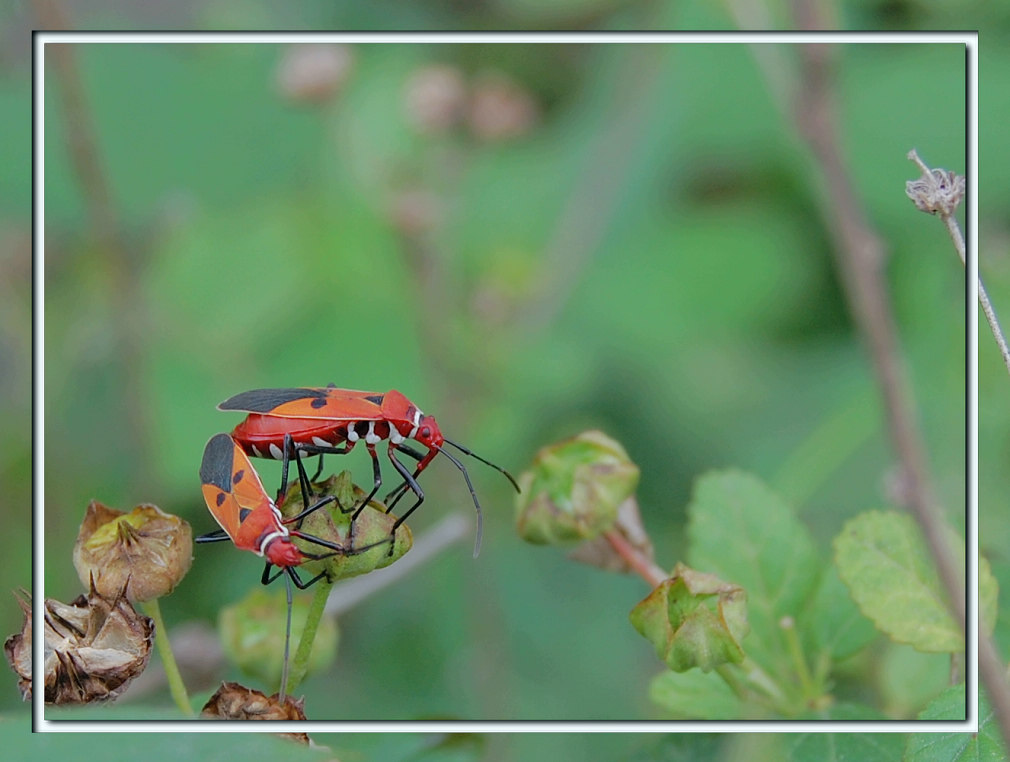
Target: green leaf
988, 596
832, 626
695, 695
845, 747
979, 747
883, 559
742, 531
682, 747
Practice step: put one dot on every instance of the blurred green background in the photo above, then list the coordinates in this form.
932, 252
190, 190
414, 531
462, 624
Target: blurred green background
526, 240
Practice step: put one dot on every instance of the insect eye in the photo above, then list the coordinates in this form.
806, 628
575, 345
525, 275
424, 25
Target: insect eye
426, 432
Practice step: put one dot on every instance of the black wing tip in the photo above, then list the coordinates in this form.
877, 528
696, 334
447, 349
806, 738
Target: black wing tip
218, 458
265, 400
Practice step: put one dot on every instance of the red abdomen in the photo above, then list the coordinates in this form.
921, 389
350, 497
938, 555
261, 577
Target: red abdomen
263, 435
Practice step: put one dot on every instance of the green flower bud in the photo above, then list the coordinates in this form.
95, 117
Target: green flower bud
333, 524
694, 619
145, 551
574, 489
252, 634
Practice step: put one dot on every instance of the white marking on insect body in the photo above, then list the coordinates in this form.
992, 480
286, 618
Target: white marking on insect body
352, 435
275, 452
417, 423
320, 442
255, 451
394, 435
371, 437
267, 539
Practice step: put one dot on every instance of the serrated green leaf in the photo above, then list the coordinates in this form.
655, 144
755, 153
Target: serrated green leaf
984, 746
695, 695
742, 531
883, 559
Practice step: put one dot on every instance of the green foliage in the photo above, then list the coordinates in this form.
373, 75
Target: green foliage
804, 623
885, 562
739, 529
648, 260
984, 746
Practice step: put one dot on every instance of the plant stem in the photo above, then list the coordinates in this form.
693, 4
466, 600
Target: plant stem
300, 664
954, 230
810, 689
175, 685
645, 567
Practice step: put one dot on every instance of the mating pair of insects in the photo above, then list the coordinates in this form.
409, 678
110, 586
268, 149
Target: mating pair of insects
286, 424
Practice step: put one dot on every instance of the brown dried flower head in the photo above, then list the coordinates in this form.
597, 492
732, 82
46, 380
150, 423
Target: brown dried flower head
147, 551
236, 702
93, 648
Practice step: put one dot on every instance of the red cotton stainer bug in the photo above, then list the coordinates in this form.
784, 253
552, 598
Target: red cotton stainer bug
249, 518
288, 423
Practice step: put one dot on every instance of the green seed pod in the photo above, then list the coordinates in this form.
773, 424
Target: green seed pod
145, 551
252, 634
694, 619
574, 489
333, 523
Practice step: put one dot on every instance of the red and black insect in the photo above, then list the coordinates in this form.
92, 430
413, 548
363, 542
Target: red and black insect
288, 423
249, 518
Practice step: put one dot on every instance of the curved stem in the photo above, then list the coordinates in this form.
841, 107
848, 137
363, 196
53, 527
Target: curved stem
645, 567
175, 684
300, 664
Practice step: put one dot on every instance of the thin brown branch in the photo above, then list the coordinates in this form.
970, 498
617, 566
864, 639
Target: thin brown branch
860, 256
112, 254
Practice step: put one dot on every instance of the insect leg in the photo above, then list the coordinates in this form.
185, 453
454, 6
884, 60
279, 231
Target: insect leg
311, 509
308, 449
216, 536
397, 493
266, 579
377, 479
414, 486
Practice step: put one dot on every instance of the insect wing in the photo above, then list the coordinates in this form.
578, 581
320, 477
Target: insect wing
324, 402
231, 487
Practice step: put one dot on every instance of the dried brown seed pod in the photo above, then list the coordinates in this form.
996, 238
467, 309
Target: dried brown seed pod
145, 551
94, 647
236, 702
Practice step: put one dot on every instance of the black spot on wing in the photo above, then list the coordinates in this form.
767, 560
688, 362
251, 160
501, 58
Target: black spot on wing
218, 457
242, 513
265, 400
238, 476
375, 399
221, 497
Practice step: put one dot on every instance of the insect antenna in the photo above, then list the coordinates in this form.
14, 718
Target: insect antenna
472, 454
